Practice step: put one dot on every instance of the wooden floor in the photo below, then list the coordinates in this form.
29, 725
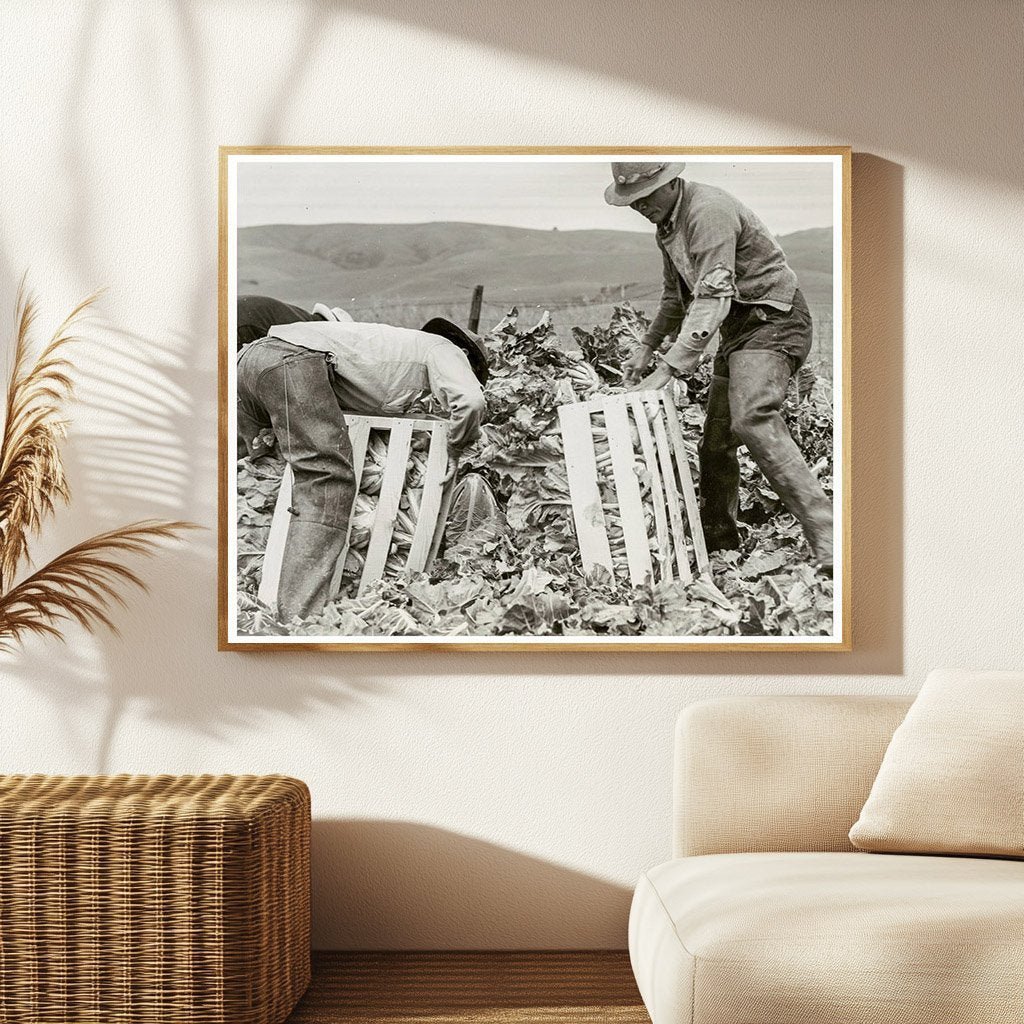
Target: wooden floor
471, 988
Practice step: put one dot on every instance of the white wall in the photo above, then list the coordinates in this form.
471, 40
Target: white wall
488, 800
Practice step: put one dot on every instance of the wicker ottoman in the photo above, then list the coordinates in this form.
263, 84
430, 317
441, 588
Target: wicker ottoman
145, 899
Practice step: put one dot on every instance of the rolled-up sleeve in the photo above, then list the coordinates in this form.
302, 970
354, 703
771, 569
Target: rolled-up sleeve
453, 383
703, 319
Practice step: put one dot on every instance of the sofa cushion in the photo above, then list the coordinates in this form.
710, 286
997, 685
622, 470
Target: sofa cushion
833, 938
950, 780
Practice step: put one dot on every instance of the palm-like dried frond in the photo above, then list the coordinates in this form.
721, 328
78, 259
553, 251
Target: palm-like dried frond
31, 471
81, 584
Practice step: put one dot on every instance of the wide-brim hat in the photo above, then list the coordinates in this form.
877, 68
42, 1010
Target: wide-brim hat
634, 181
470, 343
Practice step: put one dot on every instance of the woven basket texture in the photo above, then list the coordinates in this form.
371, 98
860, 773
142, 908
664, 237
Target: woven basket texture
143, 899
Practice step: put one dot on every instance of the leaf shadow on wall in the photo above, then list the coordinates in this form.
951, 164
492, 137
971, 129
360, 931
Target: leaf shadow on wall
141, 450
146, 445
405, 885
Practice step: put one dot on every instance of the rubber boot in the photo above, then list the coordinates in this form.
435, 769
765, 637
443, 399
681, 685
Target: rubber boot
311, 553
719, 472
757, 389
291, 387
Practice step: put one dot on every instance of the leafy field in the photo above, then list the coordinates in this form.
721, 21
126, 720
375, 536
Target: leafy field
511, 567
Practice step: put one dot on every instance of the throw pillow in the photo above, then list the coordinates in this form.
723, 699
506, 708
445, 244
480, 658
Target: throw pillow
951, 780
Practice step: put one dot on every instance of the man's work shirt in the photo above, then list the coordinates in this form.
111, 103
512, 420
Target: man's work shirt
382, 370
715, 248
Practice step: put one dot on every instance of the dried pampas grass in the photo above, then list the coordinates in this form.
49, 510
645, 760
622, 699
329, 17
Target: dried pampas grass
83, 583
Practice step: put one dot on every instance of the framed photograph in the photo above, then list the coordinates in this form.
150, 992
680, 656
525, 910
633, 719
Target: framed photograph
581, 399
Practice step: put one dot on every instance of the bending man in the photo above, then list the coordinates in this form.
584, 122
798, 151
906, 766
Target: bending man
297, 381
256, 314
724, 272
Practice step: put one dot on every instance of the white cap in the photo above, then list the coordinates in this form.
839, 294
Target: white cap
337, 313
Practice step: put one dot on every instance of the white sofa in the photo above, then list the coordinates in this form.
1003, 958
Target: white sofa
768, 915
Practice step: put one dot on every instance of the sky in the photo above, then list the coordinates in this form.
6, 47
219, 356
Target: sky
567, 194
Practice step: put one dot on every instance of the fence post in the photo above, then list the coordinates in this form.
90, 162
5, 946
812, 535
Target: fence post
474, 308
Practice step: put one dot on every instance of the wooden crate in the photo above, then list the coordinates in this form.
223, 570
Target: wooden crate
679, 551
433, 503
153, 899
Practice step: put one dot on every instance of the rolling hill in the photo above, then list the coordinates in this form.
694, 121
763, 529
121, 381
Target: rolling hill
395, 270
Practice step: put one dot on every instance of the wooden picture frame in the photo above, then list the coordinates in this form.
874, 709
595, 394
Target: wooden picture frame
783, 169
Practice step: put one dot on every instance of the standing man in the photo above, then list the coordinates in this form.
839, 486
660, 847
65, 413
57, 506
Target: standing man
297, 381
724, 272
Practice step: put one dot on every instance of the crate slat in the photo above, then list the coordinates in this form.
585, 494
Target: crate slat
581, 470
430, 502
391, 486
627, 488
668, 475
643, 427
675, 434
359, 438
388, 422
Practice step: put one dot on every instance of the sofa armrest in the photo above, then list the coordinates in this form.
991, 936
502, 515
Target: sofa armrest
760, 774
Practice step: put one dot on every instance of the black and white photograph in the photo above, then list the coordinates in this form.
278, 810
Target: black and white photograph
573, 398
